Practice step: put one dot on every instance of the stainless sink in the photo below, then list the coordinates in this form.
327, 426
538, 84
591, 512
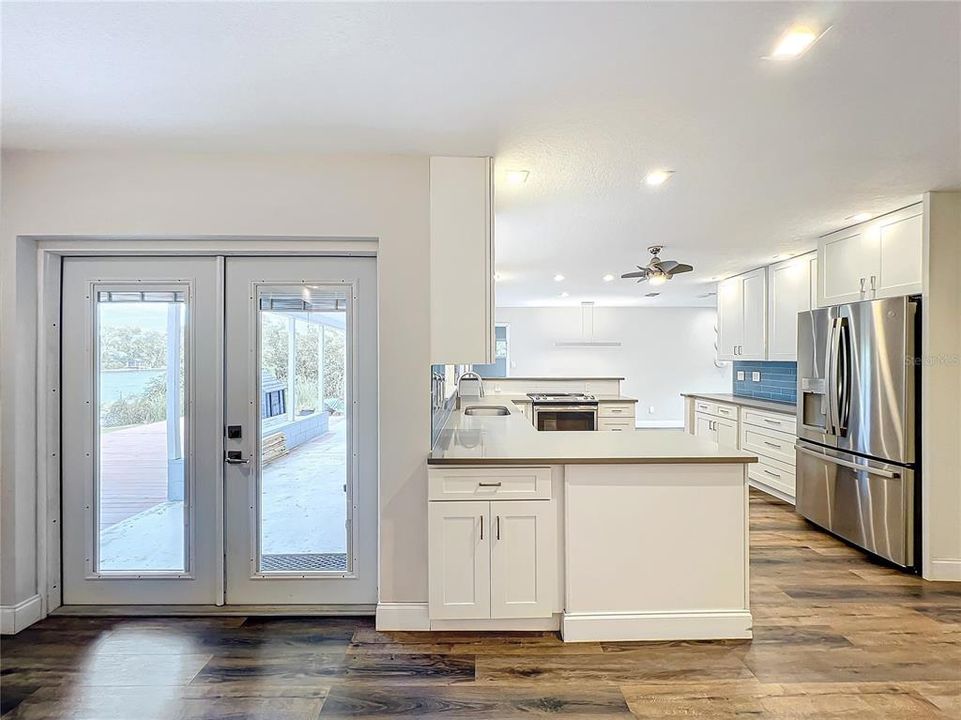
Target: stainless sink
487, 410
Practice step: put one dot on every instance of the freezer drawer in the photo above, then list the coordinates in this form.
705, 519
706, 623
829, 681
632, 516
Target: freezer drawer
866, 502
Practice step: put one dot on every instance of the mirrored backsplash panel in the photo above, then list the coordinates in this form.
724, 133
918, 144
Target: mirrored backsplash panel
778, 380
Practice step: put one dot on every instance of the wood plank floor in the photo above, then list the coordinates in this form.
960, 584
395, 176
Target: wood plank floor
836, 636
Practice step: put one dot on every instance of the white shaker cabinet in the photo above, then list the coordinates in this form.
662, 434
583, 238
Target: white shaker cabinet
459, 559
792, 288
496, 558
878, 258
461, 260
742, 316
723, 431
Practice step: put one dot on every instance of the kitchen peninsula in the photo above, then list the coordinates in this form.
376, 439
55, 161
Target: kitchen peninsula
606, 536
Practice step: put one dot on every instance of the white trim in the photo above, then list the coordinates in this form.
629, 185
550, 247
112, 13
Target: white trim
774, 492
14, 618
547, 624
944, 570
216, 610
699, 625
402, 616
666, 424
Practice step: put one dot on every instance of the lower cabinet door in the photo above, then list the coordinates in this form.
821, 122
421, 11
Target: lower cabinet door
704, 427
459, 559
726, 432
523, 561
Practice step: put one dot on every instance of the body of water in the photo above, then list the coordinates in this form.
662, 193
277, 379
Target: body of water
115, 384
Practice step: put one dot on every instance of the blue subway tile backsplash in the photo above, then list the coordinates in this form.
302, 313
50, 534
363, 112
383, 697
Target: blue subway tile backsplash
778, 380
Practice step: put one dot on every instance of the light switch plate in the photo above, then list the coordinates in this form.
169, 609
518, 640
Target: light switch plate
756, 377
740, 374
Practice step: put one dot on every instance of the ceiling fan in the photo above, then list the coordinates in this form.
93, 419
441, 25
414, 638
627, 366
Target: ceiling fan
658, 271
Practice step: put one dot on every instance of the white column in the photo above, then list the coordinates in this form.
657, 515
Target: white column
291, 368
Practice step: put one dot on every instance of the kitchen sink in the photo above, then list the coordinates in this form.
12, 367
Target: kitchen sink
487, 410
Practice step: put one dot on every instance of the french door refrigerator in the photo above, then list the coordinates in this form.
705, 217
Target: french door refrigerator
858, 423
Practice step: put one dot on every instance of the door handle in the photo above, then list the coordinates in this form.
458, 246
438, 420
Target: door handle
862, 286
848, 464
482, 526
498, 527
874, 290
233, 457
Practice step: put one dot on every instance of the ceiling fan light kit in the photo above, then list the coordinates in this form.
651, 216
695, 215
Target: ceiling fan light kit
657, 271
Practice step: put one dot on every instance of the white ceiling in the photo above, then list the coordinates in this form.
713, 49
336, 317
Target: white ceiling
587, 97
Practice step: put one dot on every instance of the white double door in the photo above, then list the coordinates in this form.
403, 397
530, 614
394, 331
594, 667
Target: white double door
219, 431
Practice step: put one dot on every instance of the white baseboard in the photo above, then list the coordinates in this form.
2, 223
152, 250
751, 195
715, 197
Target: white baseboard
944, 570
666, 424
712, 625
500, 625
14, 618
402, 616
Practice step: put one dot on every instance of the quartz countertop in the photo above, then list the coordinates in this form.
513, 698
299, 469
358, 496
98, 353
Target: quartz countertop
523, 398
512, 440
771, 405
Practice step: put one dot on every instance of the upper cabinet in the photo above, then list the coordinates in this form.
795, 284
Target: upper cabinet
461, 260
792, 288
741, 317
878, 258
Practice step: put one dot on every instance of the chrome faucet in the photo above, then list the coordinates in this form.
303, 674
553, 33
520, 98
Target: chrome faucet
471, 375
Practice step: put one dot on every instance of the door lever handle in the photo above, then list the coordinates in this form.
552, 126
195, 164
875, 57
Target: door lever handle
232, 457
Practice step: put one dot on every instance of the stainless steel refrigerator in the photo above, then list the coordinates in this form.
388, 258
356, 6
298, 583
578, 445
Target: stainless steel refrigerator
858, 423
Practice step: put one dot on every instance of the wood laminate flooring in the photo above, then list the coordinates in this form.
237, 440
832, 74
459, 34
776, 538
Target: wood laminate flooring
836, 636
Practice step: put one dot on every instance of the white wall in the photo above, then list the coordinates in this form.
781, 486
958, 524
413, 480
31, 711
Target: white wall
663, 352
177, 195
941, 387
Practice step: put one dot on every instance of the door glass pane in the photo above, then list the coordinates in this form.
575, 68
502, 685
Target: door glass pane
140, 469
304, 481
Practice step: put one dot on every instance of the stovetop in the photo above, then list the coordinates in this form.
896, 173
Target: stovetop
559, 397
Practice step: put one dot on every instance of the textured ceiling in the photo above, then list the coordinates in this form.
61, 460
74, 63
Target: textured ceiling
587, 97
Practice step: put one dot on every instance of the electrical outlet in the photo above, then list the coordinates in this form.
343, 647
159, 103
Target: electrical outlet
650, 410
740, 374
755, 377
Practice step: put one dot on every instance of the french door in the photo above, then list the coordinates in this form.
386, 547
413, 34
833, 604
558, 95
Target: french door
219, 436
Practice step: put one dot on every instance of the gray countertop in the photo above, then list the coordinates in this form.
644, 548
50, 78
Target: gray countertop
512, 440
556, 377
781, 407
515, 397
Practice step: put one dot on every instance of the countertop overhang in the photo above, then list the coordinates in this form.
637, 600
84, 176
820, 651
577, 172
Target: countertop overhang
760, 404
512, 440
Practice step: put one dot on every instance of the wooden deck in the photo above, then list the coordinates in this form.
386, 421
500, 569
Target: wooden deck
837, 637
133, 471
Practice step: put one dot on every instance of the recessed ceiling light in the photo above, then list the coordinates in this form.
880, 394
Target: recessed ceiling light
859, 217
516, 177
794, 43
558, 277
565, 294
658, 177
608, 277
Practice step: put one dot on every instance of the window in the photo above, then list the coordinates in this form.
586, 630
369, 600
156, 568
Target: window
501, 365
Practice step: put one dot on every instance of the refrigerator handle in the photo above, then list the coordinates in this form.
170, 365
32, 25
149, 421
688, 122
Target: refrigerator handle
844, 380
833, 379
847, 463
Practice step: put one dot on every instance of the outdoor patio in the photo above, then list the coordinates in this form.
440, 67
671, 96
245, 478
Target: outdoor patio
303, 503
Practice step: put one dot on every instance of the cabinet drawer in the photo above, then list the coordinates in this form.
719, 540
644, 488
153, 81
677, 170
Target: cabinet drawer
768, 444
615, 410
773, 474
716, 409
489, 483
616, 424
772, 421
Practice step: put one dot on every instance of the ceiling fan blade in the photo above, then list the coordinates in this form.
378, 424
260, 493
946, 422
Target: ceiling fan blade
639, 274
680, 268
667, 265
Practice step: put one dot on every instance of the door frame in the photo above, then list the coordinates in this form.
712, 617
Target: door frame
50, 253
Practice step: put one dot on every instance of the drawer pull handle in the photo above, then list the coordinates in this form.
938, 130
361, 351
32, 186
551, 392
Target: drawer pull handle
482, 527
772, 474
773, 445
498, 527
773, 422
489, 484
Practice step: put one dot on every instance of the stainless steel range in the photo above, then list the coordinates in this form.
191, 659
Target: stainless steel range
564, 411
